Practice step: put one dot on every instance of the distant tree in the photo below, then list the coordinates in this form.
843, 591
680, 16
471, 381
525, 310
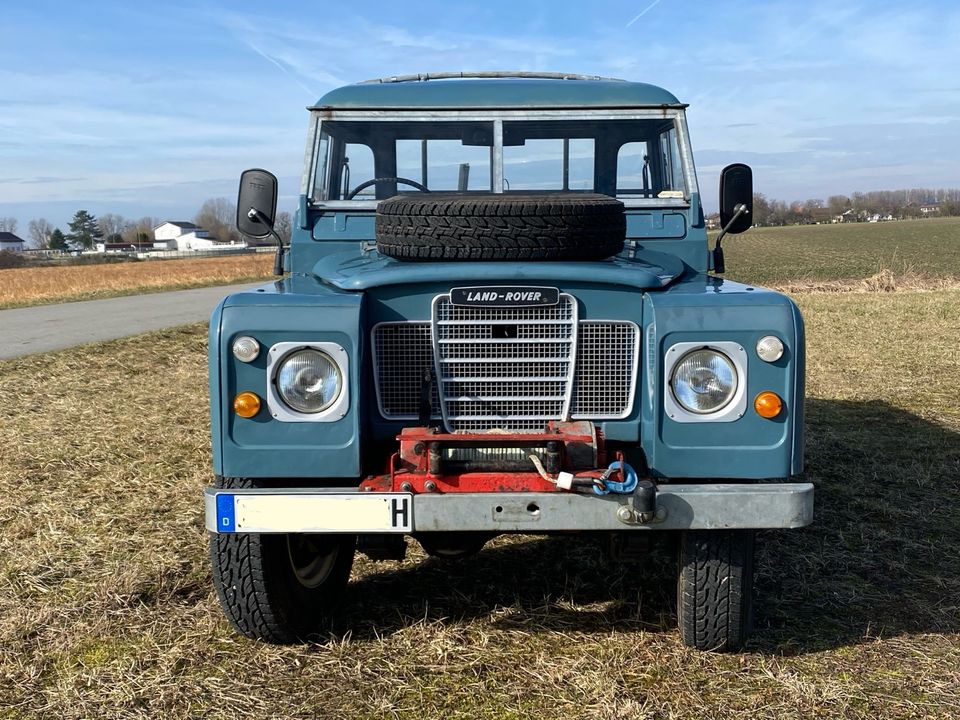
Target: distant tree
950, 207
761, 209
8, 224
218, 216
57, 240
111, 224
84, 231
114, 238
797, 214
838, 204
284, 226
40, 230
139, 230
779, 213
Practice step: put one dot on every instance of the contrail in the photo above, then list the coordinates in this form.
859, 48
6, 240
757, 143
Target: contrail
649, 7
273, 61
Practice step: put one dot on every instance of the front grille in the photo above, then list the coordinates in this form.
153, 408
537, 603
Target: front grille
485, 339
510, 369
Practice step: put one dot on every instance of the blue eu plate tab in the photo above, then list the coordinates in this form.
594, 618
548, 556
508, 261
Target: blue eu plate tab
226, 521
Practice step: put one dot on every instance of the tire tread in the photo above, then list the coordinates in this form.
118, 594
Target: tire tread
714, 588
563, 226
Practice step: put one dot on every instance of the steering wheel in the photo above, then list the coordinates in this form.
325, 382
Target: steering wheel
368, 183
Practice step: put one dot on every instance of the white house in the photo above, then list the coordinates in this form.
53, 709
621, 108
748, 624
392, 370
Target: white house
174, 235
9, 241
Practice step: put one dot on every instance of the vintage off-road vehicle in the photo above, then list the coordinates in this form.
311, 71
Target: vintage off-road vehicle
501, 316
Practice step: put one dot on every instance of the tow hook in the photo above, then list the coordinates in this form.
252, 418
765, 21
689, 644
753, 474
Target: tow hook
643, 506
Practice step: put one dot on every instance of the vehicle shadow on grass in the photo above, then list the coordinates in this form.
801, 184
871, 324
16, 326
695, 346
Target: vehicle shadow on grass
882, 557
539, 584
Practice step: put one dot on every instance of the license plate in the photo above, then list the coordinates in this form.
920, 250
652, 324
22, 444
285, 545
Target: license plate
314, 513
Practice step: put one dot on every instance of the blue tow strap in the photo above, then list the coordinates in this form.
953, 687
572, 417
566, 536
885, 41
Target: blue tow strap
626, 487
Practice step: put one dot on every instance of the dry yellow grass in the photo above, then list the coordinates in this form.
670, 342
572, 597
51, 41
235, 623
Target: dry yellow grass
106, 606
32, 286
884, 280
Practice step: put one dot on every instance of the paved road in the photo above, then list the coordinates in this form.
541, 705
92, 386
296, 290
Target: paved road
43, 328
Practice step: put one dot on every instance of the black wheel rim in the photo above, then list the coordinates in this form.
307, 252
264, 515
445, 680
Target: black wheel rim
312, 558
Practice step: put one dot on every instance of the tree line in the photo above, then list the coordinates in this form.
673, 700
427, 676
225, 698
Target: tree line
860, 206
85, 230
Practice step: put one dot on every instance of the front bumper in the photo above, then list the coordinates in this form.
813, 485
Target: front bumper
717, 506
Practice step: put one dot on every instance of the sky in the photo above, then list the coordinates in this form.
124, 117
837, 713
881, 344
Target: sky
151, 108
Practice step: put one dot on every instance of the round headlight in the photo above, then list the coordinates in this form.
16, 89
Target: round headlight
704, 381
309, 381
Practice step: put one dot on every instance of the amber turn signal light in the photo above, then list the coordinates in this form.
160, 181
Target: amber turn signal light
246, 404
768, 404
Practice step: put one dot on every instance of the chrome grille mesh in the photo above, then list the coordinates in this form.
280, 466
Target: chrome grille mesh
487, 338
517, 382
402, 351
607, 354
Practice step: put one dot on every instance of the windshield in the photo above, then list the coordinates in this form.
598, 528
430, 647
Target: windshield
363, 160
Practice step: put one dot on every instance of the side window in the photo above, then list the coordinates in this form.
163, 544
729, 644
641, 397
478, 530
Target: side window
672, 168
652, 168
633, 170
357, 169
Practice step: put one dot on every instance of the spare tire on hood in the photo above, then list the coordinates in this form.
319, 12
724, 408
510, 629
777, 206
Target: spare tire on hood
492, 226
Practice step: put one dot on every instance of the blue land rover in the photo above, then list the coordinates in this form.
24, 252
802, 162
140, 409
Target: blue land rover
499, 313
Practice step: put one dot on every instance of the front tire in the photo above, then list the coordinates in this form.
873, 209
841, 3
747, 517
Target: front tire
280, 588
715, 589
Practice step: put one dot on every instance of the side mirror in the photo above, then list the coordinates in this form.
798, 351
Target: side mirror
257, 203
736, 188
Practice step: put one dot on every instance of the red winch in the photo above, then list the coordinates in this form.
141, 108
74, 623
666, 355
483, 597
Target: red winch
496, 461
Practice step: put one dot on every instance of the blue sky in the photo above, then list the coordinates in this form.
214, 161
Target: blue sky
151, 108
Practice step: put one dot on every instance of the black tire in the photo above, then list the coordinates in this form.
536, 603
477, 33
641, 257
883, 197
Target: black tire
715, 589
259, 588
490, 226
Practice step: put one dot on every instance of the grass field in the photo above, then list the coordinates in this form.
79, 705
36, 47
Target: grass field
915, 249
33, 286
106, 606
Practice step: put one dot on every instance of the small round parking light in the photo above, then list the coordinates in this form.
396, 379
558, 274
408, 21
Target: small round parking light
768, 404
246, 404
246, 349
770, 348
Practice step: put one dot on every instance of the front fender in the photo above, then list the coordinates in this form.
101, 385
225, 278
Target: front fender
711, 309
263, 446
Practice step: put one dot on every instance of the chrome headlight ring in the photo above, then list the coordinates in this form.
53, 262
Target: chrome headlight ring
705, 382
307, 382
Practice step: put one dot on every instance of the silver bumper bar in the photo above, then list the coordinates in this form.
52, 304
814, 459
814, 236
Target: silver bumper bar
679, 507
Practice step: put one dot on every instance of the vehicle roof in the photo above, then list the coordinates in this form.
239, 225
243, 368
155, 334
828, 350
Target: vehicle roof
503, 90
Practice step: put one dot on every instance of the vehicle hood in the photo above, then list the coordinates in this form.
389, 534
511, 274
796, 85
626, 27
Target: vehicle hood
646, 270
